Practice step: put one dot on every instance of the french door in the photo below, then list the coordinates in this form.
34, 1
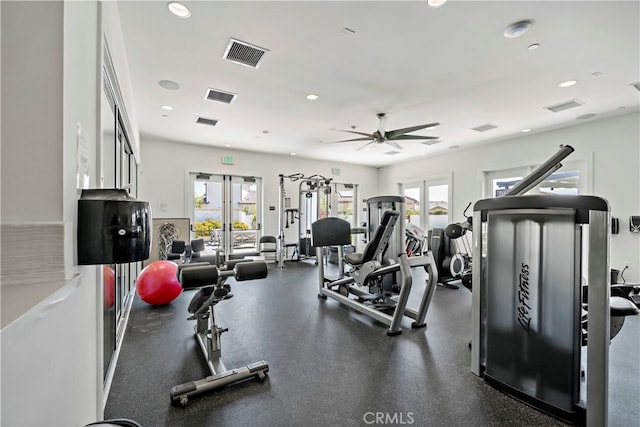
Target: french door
427, 202
226, 213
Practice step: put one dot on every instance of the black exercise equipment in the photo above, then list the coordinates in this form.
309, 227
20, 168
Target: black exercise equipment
212, 289
366, 288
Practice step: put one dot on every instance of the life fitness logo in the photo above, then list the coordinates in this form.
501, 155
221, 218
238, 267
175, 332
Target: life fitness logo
385, 418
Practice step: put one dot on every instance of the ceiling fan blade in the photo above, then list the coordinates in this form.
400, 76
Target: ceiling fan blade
348, 140
392, 134
408, 137
356, 132
394, 144
365, 145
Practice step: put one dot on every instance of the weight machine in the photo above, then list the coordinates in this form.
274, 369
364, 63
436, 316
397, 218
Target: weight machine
380, 280
212, 289
314, 201
529, 306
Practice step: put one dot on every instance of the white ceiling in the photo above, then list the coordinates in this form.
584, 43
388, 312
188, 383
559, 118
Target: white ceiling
418, 65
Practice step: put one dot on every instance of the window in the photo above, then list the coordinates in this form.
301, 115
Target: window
427, 202
570, 179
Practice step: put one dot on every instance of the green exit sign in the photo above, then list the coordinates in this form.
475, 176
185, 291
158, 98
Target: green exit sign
227, 160
335, 171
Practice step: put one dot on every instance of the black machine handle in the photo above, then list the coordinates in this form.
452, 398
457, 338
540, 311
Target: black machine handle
541, 172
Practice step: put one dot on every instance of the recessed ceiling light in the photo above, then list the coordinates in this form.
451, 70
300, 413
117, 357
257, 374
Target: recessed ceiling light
293, 154
179, 9
312, 97
517, 29
169, 84
227, 145
265, 131
596, 74
567, 83
166, 107
533, 46
525, 130
164, 115
435, 3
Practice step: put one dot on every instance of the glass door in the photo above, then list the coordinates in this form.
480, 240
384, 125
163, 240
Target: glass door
227, 213
208, 216
244, 203
108, 168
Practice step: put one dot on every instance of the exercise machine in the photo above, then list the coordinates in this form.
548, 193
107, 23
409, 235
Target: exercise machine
212, 289
314, 201
530, 317
526, 302
372, 287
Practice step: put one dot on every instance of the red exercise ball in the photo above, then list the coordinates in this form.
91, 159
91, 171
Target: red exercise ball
158, 283
109, 286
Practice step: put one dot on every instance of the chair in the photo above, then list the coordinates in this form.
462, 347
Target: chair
197, 246
268, 247
177, 249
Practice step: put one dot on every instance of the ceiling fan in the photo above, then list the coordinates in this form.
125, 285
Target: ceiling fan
382, 136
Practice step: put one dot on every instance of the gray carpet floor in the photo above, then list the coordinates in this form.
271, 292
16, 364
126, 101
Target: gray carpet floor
329, 365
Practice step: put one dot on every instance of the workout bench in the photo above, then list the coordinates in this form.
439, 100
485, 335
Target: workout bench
212, 289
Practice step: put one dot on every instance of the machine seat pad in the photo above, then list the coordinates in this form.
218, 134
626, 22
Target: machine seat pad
199, 298
622, 307
354, 258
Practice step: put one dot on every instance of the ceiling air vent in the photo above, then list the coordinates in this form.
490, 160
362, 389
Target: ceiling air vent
205, 121
636, 85
392, 153
565, 105
484, 128
244, 53
220, 96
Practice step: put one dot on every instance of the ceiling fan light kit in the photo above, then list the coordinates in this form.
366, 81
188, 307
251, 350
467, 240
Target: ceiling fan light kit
382, 136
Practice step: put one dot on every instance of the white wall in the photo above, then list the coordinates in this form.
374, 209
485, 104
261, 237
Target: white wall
166, 165
613, 146
32, 111
50, 372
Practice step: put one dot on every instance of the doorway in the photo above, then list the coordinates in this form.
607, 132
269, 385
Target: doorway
226, 213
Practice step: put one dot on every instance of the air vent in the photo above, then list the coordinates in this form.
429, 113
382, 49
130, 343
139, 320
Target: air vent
220, 96
485, 127
244, 53
565, 105
392, 153
636, 85
431, 142
205, 121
